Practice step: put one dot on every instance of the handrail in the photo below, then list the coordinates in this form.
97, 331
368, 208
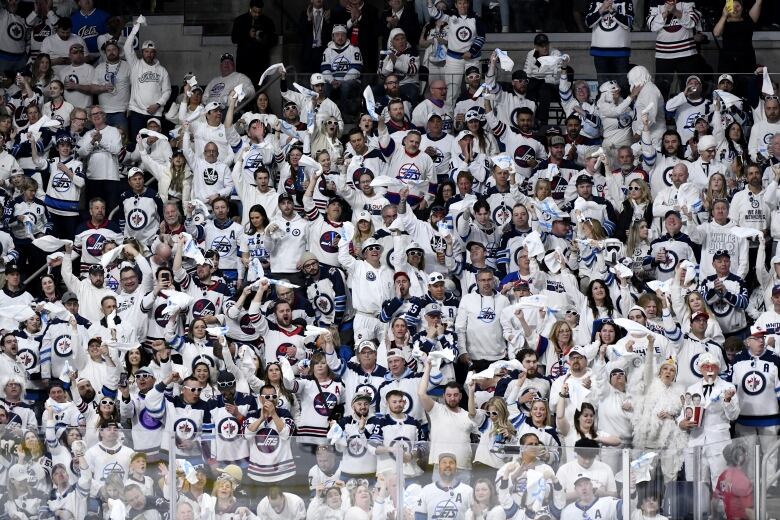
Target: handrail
766, 481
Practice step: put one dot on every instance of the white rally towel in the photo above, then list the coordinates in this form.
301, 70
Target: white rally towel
504, 60
552, 262
255, 270
368, 96
766, 85
689, 195
277, 68
632, 326
503, 161
191, 249
17, 313
305, 91
664, 287
727, 98
308, 162
117, 508
383, 181
744, 232
239, 93
533, 244
112, 255
312, 330
49, 244
152, 133
217, 331
141, 20
195, 114
691, 271
462, 205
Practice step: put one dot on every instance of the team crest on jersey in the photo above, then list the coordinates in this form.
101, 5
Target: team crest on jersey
695, 365
148, 421
753, 383
607, 22
217, 89
487, 315
228, 428
409, 172
324, 402
210, 176
356, 445
253, 160
94, 244
323, 303
502, 214
409, 402
113, 468
463, 33
62, 346
445, 510
523, 154
41, 31
16, 31
60, 182
403, 441
137, 218
340, 64
246, 325
185, 429
222, 245
286, 350
203, 307
669, 263
672, 26
690, 122
327, 242
27, 358
370, 276
266, 440
626, 118
159, 318
667, 176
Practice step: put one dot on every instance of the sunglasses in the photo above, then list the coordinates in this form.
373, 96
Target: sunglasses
492, 414
106, 401
373, 248
634, 188
225, 384
415, 253
721, 252
143, 376
572, 313
331, 123
195, 389
271, 397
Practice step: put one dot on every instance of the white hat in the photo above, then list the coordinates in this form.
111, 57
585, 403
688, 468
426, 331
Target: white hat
213, 106
435, 278
609, 86
463, 134
725, 77
339, 28
317, 79
363, 215
706, 142
370, 242
148, 44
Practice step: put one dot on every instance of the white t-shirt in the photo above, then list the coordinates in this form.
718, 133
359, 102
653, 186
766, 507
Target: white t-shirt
83, 74
450, 433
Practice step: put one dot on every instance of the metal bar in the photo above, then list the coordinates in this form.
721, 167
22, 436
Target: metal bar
760, 491
399, 471
696, 484
626, 492
172, 483
36, 274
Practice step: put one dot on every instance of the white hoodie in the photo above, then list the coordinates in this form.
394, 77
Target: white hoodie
149, 84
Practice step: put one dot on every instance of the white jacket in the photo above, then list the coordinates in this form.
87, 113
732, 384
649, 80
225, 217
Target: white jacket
149, 84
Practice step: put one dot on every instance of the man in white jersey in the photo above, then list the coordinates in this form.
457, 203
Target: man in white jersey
447, 498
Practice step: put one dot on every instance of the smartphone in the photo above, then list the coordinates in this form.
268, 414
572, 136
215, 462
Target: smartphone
165, 277
123, 379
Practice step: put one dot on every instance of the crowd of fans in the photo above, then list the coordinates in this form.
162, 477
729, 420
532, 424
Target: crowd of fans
297, 312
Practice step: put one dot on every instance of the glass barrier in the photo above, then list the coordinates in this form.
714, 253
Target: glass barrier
245, 471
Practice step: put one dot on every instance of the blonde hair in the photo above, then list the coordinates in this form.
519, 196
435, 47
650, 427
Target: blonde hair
501, 422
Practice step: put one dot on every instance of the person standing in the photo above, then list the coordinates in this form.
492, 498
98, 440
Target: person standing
254, 35
150, 83
737, 55
610, 44
675, 50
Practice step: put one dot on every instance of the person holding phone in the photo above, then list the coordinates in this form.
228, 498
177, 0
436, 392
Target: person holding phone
269, 435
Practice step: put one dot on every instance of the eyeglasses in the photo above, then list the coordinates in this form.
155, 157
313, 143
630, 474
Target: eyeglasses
356, 483
225, 384
391, 83
78, 118
634, 188
415, 253
291, 107
473, 76
195, 389
373, 248
270, 397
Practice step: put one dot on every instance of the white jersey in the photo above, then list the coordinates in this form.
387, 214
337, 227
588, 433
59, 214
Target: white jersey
224, 240
604, 508
439, 502
208, 178
219, 88
287, 243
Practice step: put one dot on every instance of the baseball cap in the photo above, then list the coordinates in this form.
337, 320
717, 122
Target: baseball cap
672, 212
413, 246
67, 297
584, 179
11, 268
699, 314
474, 243
435, 278
720, 253
580, 351
95, 268
776, 289
148, 44
582, 476
208, 262
364, 215
370, 242
463, 134
395, 352
284, 196
143, 370
473, 69
227, 56
18, 473
153, 120
399, 274
557, 140
725, 77
134, 171
213, 106
691, 78
541, 39
76, 46
367, 343
317, 79
447, 455
361, 396
432, 308
339, 28
434, 114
